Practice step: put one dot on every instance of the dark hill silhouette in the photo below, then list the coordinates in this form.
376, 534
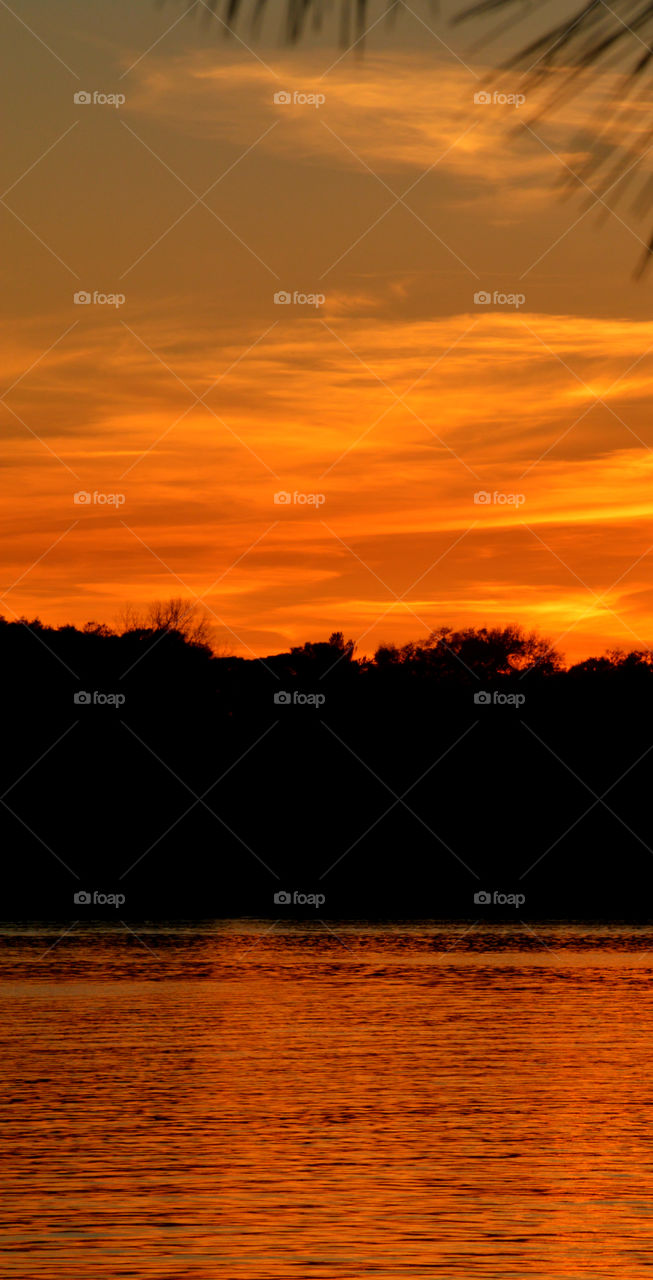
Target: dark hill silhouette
472, 761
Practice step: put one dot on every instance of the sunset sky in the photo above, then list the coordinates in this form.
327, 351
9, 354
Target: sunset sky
397, 399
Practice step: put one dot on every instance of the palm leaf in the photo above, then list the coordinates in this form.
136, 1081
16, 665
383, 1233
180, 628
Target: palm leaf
596, 37
353, 15
618, 37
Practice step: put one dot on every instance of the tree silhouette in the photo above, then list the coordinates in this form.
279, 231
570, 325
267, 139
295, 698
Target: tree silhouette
173, 615
489, 653
141, 747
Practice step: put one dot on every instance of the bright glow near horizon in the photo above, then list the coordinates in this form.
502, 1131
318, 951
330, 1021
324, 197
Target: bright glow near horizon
396, 400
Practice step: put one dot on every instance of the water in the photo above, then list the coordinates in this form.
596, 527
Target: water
400, 1101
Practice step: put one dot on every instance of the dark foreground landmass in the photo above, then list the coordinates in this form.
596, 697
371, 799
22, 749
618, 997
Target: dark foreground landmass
184, 783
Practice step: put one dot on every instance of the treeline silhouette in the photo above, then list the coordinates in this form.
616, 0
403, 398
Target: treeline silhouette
143, 763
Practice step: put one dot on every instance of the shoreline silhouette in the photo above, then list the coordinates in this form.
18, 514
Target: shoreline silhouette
467, 773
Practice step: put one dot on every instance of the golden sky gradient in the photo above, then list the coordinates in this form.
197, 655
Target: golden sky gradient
396, 400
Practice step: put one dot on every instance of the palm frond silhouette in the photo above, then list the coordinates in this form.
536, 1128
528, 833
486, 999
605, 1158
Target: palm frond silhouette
299, 15
557, 64
591, 32
595, 38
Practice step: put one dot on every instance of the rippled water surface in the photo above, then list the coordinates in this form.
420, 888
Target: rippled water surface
327, 1101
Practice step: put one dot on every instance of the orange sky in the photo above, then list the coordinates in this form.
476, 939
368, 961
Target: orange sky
395, 400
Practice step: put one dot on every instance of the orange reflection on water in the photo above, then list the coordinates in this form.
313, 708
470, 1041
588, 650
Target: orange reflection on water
380, 1101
